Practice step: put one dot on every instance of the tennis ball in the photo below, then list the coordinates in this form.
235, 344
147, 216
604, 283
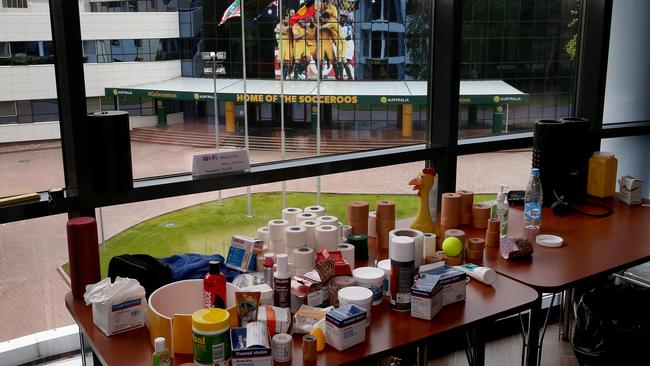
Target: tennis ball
452, 246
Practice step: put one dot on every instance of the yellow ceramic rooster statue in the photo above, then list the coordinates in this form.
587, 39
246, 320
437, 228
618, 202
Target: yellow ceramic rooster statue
423, 184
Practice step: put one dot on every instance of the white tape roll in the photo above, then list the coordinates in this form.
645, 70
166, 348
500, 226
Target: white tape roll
418, 239
263, 235
303, 260
429, 245
310, 226
282, 347
372, 223
276, 246
290, 214
294, 237
328, 220
276, 229
317, 210
345, 231
305, 216
347, 250
327, 237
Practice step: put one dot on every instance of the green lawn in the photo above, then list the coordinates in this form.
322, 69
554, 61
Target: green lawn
207, 228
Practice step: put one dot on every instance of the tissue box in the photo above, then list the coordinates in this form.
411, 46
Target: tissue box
250, 346
426, 297
452, 281
121, 317
241, 255
345, 327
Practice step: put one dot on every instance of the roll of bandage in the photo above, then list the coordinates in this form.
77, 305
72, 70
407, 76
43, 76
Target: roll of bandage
460, 234
277, 246
263, 235
310, 226
346, 230
282, 347
450, 210
327, 237
290, 214
276, 229
328, 220
385, 221
476, 243
317, 210
480, 215
305, 216
372, 223
418, 240
429, 245
303, 260
347, 250
294, 237
466, 202
358, 217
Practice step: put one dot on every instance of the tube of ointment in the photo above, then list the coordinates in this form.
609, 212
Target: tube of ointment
483, 274
247, 304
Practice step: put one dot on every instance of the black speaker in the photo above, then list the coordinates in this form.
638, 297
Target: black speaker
561, 151
111, 151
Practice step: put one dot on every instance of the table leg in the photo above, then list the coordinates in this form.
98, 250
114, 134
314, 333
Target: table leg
422, 355
567, 314
533, 332
475, 350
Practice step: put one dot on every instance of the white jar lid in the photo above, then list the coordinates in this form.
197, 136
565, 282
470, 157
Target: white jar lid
368, 275
355, 294
384, 265
402, 248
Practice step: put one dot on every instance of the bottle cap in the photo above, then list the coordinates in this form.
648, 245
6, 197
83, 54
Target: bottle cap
159, 344
268, 260
215, 267
283, 265
534, 172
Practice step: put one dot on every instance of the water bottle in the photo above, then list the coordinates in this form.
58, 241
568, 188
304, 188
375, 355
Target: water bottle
533, 206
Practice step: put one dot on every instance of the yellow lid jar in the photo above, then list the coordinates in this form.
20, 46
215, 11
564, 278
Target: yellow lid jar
211, 337
602, 174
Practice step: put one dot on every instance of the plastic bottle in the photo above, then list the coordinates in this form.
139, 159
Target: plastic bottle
160, 357
402, 270
533, 206
268, 269
214, 287
282, 282
500, 210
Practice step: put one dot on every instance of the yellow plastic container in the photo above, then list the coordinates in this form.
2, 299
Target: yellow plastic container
211, 337
602, 174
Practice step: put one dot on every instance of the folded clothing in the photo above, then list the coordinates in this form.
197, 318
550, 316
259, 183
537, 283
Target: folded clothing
195, 266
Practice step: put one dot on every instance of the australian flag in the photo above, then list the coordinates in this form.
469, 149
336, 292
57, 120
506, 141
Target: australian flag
268, 12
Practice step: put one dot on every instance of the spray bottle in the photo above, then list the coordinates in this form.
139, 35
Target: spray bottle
500, 210
282, 282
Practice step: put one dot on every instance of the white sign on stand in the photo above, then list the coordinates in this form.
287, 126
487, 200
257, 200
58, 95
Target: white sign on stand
220, 162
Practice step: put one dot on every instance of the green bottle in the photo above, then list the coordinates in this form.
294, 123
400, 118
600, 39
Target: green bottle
161, 355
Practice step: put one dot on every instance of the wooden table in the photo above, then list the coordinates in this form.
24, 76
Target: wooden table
389, 330
592, 247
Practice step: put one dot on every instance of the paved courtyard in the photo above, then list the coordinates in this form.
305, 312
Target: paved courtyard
31, 288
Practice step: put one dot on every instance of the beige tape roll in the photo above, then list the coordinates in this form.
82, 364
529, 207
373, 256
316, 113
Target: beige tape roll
346, 230
263, 235
290, 214
277, 246
305, 216
327, 237
328, 220
276, 229
429, 245
294, 237
310, 226
317, 210
347, 250
303, 260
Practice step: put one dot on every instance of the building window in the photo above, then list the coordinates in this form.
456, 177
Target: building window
5, 53
7, 112
14, 4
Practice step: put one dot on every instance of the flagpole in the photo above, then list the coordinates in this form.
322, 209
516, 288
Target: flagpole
282, 133
249, 211
318, 80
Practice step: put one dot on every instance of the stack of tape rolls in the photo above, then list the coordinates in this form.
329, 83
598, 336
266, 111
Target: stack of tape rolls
358, 217
346, 230
457, 260
338, 283
347, 250
450, 261
359, 296
290, 214
460, 234
282, 347
276, 235
474, 250
263, 235
330, 220
294, 237
385, 221
450, 210
466, 202
480, 215
492, 234
429, 244
316, 210
327, 237
418, 240
310, 226
303, 260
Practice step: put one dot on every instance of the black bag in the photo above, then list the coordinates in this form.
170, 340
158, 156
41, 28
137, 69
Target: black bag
149, 271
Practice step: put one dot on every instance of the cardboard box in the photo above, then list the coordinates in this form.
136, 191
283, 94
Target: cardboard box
345, 327
453, 283
426, 297
251, 346
306, 290
241, 255
117, 318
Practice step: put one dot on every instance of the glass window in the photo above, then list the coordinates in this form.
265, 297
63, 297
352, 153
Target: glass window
24, 111
103, 51
15, 4
45, 110
90, 51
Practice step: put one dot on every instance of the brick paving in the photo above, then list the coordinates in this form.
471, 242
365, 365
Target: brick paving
31, 288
